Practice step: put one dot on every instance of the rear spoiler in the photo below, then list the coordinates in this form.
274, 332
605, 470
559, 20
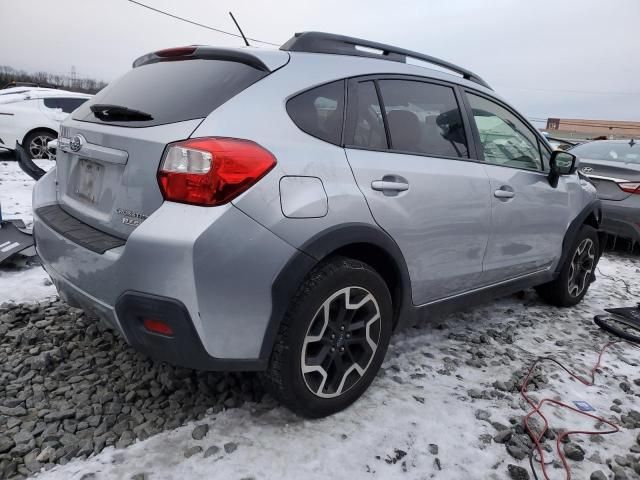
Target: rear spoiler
197, 52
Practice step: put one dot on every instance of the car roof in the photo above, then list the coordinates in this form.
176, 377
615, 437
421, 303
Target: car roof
21, 94
54, 93
344, 66
617, 140
329, 43
14, 90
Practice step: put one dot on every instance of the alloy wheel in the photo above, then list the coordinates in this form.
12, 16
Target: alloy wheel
581, 267
39, 149
341, 342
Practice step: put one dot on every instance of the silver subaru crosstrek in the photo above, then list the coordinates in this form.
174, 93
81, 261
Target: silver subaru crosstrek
286, 210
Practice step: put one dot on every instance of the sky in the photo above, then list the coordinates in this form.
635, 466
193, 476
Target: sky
549, 58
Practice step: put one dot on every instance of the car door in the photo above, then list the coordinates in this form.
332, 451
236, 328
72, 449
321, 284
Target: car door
529, 216
406, 142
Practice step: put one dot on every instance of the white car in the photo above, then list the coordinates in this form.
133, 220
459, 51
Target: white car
32, 116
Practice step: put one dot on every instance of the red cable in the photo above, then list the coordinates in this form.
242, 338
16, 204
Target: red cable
537, 410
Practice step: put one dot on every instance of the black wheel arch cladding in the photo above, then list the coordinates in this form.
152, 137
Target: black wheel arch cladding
380, 249
590, 215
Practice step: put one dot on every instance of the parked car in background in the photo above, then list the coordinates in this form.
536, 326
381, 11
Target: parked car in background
560, 144
614, 168
364, 194
32, 116
27, 84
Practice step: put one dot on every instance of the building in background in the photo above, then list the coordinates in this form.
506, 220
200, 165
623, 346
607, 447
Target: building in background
583, 129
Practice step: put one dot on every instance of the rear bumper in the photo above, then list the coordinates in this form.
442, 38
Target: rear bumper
217, 264
622, 218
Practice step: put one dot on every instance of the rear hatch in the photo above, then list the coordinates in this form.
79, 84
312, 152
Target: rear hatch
109, 151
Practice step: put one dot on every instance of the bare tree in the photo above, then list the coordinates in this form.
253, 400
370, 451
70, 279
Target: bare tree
86, 85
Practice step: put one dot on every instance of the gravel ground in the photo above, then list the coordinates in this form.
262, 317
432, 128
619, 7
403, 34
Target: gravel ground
69, 390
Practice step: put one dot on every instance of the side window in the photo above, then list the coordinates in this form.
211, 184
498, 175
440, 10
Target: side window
319, 111
423, 118
52, 102
368, 126
67, 105
505, 139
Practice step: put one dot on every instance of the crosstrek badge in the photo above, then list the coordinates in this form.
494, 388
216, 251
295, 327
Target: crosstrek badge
131, 217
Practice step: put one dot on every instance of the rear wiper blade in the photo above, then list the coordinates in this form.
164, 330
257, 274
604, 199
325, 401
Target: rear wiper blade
114, 113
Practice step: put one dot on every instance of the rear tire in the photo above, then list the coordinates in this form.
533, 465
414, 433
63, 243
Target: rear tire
332, 339
571, 285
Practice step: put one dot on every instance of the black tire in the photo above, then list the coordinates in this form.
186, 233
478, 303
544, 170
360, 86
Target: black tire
37, 150
560, 292
325, 288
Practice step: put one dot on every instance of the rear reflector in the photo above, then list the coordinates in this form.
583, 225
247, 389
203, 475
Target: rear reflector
630, 187
157, 326
212, 171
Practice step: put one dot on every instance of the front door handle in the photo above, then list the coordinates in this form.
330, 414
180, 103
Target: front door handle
504, 193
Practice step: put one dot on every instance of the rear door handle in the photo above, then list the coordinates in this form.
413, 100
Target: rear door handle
381, 185
504, 193
391, 185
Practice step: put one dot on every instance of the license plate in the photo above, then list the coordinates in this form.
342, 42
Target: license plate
89, 180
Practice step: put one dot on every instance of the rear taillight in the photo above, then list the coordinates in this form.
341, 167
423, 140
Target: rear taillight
630, 187
212, 171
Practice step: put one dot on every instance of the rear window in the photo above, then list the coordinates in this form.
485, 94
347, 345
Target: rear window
67, 105
319, 111
624, 152
173, 91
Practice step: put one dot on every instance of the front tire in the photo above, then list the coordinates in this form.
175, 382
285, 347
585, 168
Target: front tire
571, 285
332, 339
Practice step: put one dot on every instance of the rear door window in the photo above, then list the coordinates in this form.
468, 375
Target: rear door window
366, 119
173, 91
320, 111
423, 118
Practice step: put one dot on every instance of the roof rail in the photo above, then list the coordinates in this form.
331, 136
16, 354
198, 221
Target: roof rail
320, 42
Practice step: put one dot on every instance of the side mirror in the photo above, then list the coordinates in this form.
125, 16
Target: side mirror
561, 163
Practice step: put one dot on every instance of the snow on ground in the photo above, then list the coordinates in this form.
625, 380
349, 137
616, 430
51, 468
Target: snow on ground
432, 411
20, 281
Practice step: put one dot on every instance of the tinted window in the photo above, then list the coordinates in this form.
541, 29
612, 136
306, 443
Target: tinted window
505, 139
368, 126
173, 91
627, 151
67, 105
319, 111
423, 118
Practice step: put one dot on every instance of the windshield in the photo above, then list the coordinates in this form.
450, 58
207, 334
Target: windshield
624, 152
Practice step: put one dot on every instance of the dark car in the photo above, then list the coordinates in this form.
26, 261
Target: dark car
614, 167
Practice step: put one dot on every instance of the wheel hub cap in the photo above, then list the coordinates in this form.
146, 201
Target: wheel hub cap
581, 267
341, 342
39, 148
